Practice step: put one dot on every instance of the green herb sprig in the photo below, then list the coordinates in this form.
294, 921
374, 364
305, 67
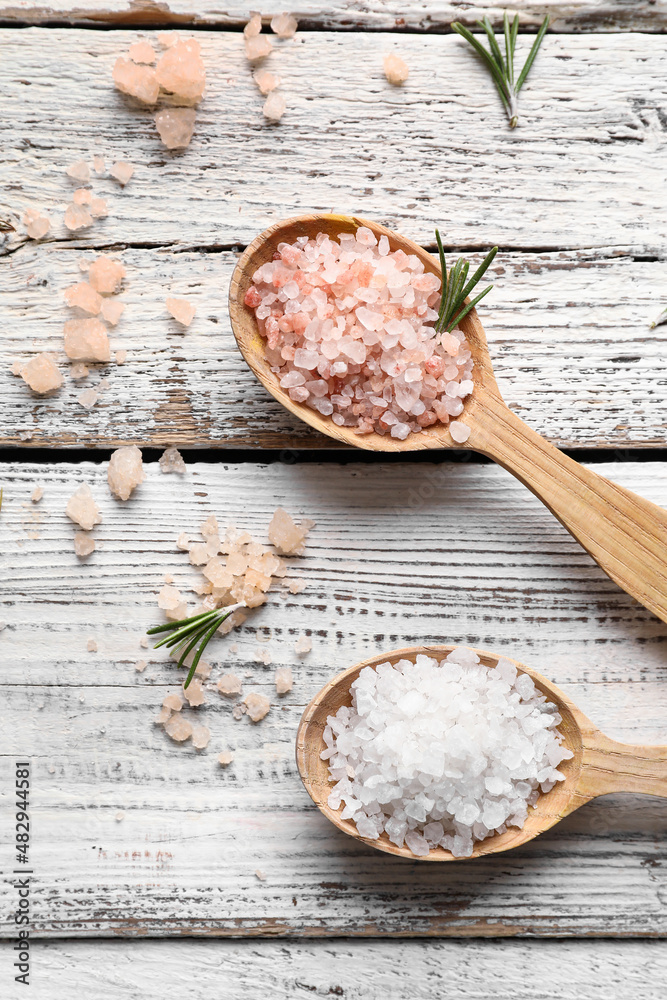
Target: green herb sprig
502, 70
189, 632
455, 290
659, 320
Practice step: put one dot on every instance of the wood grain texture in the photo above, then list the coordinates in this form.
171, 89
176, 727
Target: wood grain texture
400, 555
348, 15
567, 335
363, 970
584, 169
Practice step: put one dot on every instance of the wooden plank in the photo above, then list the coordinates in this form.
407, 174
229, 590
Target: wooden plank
422, 970
134, 836
568, 334
347, 15
584, 169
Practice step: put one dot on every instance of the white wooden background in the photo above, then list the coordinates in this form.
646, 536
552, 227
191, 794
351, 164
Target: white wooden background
401, 553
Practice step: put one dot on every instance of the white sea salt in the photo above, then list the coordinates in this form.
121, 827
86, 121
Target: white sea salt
442, 753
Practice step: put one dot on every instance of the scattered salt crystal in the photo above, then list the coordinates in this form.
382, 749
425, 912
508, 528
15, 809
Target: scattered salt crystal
175, 126
82, 509
37, 494
178, 729
200, 737
79, 370
99, 208
182, 310
395, 69
260, 875
142, 52
171, 460
139, 82
183, 542
174, 702
254, 25
274, 106
41, 374
199, 554
77, 217
265, 80
91, 646
209, 527
106, 274
16, 368
263, 656
284, 25
122, 171
36, 225
125, 471
79, 171
169, 598
98, 164
194, 693
460, 432
112, 310
163, 715
283, 680
143, 642
140, 666
257, 47
296, 586
257, 705
84, 297
88, 398
121, 357
229, 685
225, 758
286, 535
86, 340
238, 711
167, 38
82, 196
84, 545
303, 644
181, 70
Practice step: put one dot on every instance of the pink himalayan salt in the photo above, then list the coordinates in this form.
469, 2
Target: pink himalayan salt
172, 461
77, 217
209, 527
79, 370
460, 432
140, 666
199, 554
82, 509
296, 586
88, 398
257, 705
91, 646
98, 165
122, 171
229, 685
99, 208
257, 47
84, 297
79, 171
84, 545
174, 701
16, 368
239, 711
395, 69
200, 737
175, 126
183, 542
167, 38
303, 644
284, 25
178, 729
254, 25
139, 82
263, 656
143, 642
181, 71
41, 374
106, 274
260, 875
125, 471
274, 107
182, 310
82, 196
194, 693
203, 670
86, 340
121, 357
283, 680
348, 332
163, 716
265, 80
142, 52
168, 598
37, 494
36, 225
112, 310
225, 758
286, 535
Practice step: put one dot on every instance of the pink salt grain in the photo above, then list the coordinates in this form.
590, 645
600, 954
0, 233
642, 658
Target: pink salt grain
84, 545
168, 598
121, 357
181, 71
274, 107
88, 398
182, 310
257, 706
84, 297
98, 165
142, 52
265, 80
175, 126
257, 47
122, 171
99, 208
82, 196
112, 310
229, 685
286, 535
79, 370
91, 646
41, 374
178, 729
125, 471
284, 25
140, 666
106, 274
460, 432
303, 644
395, 70
36, 225
86, 340
77, 217
79, 171
225, 758
194, 693
37, 494
283, 680
200, 737
172, 461
174, 702
82, 509
139, 82
163, 715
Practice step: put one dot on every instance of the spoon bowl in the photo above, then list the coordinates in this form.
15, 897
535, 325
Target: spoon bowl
625, 534
598, 766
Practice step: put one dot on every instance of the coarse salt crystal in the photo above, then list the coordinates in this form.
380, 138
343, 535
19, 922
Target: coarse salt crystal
182, 310
200, 737
257, 705
82, 509
176, 126
41, 374
257, 47
225, 758
265, 80
142, 52
105, 274
122, 171
274, 106
139, 82
181, 71
178, 729
91, 646
84, 545
86, 340
77, 217
283, 680
229, 685
171, 460
303, 645
284, 25
111, 311
37, 494
125, 471
460, 432
37, 226
84, 297
395, 69
79, 171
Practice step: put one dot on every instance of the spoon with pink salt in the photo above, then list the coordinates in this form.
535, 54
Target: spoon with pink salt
625, 534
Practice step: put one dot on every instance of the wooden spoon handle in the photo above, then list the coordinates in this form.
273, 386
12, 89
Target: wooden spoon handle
626, 535
608, 766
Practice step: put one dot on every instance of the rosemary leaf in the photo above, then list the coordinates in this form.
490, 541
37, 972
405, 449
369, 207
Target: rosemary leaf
455, 291
190, 633
658, 321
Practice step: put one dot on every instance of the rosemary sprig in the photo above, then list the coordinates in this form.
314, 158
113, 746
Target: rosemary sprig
455, 290
188, 632
502, 70
659, 320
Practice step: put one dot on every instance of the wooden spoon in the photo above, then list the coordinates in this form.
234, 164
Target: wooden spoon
626, 535
599, 765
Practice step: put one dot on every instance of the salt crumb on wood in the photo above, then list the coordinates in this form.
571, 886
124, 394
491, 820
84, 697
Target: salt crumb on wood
112, 310
84, 545
121, 357
125, 471
105, 274
257, 705
194, 693
91, 646
83, 296
88, 398
140, 666
178, 729
263, 656
260, 875
36, 225
229, 685
225, 758
82, 509
175, 126
265, 80
174, 702
303, 644
86, 340
200, 737
283, 680
79, 171
284, 25
286, 535
37, 494
77, 217
122, 171
182, 310
171, 460
41, 374
395, 70
79, 370
274, 106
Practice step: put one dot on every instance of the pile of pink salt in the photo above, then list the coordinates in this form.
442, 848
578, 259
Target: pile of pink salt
349, 332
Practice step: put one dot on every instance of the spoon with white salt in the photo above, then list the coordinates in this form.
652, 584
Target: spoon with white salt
598, 766
625, 534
